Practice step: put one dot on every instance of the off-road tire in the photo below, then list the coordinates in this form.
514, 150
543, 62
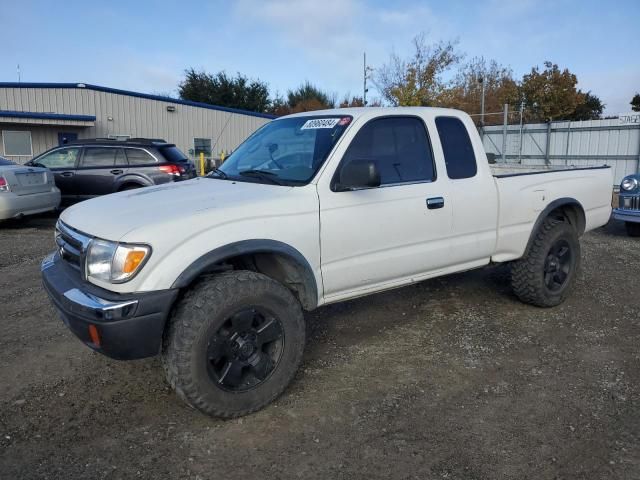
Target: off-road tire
200, 313
633, 229
528, 273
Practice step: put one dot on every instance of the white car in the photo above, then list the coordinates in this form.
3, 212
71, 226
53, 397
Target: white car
314, 208
26, 190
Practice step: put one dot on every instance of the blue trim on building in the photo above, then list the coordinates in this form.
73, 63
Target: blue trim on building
47, 116
148, 96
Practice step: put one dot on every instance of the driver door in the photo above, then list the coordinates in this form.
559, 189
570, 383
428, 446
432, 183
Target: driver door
377, 237
63, 163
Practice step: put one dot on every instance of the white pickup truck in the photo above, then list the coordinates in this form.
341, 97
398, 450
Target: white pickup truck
314, 208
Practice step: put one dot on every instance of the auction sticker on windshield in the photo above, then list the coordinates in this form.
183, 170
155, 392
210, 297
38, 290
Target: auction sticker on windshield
320, 123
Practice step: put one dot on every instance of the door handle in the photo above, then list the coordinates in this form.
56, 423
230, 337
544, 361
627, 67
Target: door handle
67, 174
116, 172
435, 202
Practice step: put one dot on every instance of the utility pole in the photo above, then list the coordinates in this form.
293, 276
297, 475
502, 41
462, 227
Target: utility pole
18, 73
481, 81
365, 75
364, 70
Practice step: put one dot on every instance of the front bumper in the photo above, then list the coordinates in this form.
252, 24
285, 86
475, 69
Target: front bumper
128, 326
626, 215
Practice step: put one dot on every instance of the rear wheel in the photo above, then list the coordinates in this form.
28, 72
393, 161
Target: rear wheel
545, 275
234, 343
633, 229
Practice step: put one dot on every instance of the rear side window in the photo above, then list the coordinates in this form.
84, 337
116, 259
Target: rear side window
137, 156
173, 154
398, 145
101, 157
457, 148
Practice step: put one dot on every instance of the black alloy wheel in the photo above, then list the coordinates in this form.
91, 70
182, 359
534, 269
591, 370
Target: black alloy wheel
558, 265
245, 350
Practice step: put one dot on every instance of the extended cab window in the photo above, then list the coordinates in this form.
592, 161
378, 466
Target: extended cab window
139, 157
399, 147
62, 158
101, 157
457, 148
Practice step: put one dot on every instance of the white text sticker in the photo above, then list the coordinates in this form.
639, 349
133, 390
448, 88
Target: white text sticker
320, 123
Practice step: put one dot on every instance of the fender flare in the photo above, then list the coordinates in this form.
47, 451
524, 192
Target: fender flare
249, 247
558, 203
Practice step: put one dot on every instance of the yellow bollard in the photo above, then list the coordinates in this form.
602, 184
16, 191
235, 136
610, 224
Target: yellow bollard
222, 156
202, 164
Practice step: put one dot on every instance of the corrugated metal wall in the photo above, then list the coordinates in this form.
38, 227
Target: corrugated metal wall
118, 114
586, 143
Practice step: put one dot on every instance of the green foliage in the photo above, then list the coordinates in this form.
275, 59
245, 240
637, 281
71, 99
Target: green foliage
590, 107
549, 94
635, 103
225, 91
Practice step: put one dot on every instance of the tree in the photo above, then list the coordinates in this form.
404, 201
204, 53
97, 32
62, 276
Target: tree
305, 98
550, 94
308, 97
590, 107
416, 80
465, 91
225, 91
635, 103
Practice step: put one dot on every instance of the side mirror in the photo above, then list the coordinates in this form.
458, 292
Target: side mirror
357, 174
491, 158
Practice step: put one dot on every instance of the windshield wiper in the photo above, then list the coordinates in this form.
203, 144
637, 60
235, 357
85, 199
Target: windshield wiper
219, 172
263, 174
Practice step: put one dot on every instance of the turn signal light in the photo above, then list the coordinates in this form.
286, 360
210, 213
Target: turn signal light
133, 259
94, 335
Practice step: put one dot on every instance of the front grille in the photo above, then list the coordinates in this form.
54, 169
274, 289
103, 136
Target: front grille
628, 202
72, 245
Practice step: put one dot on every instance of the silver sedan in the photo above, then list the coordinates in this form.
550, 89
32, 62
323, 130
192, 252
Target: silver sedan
26, 190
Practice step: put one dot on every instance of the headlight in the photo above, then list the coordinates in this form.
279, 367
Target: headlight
629, 183
115, 262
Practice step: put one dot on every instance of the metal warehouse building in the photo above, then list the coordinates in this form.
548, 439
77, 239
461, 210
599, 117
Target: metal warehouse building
37, 116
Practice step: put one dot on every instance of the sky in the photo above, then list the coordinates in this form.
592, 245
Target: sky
146, 46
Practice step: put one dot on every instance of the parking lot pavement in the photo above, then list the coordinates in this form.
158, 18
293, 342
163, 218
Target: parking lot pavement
451, 378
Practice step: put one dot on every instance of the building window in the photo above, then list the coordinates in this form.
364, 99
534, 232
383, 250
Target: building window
202, 145
17, 144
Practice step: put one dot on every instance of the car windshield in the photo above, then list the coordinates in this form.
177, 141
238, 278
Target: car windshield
288, 151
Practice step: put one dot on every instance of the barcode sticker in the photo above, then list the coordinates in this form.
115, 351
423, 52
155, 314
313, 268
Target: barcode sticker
320, 123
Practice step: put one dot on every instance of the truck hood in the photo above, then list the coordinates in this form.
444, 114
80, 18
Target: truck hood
111, 217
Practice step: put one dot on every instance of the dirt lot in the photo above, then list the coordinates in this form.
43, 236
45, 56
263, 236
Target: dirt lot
452, 378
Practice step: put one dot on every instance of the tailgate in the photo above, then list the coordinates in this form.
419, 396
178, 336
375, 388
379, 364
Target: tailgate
29, 181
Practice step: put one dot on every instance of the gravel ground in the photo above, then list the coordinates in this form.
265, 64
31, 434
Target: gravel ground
452, 378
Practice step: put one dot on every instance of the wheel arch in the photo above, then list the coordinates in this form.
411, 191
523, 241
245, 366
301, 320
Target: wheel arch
275, 259
567, 209
131, 180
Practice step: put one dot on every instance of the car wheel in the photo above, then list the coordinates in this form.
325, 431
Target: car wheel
234, 343
633, 229
545, 275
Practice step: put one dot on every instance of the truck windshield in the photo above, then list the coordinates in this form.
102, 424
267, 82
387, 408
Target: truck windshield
286, 152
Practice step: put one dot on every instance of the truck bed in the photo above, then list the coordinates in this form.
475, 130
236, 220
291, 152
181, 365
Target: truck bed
523, 193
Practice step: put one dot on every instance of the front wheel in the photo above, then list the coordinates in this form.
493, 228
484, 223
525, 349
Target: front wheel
234, 343
545, 275
633, 229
